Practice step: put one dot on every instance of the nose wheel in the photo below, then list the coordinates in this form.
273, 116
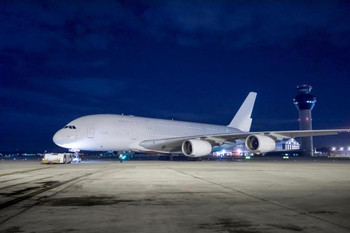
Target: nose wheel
76, 157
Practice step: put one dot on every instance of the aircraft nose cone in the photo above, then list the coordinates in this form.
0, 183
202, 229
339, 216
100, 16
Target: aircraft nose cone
65, 138
57, 138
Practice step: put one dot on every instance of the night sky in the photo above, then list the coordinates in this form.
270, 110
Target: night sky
187, 60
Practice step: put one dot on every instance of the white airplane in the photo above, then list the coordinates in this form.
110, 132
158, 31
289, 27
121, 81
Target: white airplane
111, 132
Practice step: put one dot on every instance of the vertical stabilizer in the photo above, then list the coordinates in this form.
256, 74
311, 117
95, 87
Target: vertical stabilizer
242, 119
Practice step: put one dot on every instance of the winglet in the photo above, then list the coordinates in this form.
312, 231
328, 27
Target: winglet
242, 119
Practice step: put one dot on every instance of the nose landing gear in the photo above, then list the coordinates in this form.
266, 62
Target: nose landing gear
76, 157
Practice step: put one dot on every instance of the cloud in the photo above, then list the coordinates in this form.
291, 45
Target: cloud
102, 25
98, 87
247, 23
39, 26
42, 96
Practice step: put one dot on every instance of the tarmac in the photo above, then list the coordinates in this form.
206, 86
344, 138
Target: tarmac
173, 196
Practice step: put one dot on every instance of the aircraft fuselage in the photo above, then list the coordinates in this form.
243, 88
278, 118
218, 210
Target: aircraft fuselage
112, 132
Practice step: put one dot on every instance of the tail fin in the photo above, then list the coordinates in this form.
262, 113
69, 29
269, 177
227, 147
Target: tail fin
242, 119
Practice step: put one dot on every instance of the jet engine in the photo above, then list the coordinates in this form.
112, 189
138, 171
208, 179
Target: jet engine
260, 144
196, 148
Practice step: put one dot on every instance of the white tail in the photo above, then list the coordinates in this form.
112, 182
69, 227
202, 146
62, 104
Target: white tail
242, 119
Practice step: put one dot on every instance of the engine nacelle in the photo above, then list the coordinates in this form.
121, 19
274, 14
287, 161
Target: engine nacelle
196, 148
260, 144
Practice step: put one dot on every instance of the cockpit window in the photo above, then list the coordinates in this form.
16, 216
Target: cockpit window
70, 127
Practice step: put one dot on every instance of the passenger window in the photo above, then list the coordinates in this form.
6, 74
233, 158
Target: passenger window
73, 127
66, 127
70, 127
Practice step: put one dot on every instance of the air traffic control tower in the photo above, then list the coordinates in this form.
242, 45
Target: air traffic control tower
305, 102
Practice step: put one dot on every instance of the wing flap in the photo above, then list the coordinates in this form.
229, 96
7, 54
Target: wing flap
307, 133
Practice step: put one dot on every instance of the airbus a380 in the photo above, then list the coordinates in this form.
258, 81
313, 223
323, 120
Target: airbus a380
111, 132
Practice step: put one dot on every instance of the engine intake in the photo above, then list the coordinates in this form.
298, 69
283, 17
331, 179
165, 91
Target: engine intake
196, 148
260, 144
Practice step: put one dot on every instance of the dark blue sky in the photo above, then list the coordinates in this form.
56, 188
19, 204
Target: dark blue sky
187, 60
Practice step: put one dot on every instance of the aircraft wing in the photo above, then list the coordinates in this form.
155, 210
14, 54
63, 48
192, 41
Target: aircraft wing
173, 145
280, 135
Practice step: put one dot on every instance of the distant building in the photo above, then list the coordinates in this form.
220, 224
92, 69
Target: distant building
291, 144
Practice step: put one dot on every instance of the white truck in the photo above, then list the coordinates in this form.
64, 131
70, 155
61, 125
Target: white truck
57, 158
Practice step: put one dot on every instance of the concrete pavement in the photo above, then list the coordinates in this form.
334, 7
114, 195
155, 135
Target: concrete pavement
165, 196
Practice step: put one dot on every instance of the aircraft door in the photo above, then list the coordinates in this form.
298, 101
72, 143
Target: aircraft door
91, 132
